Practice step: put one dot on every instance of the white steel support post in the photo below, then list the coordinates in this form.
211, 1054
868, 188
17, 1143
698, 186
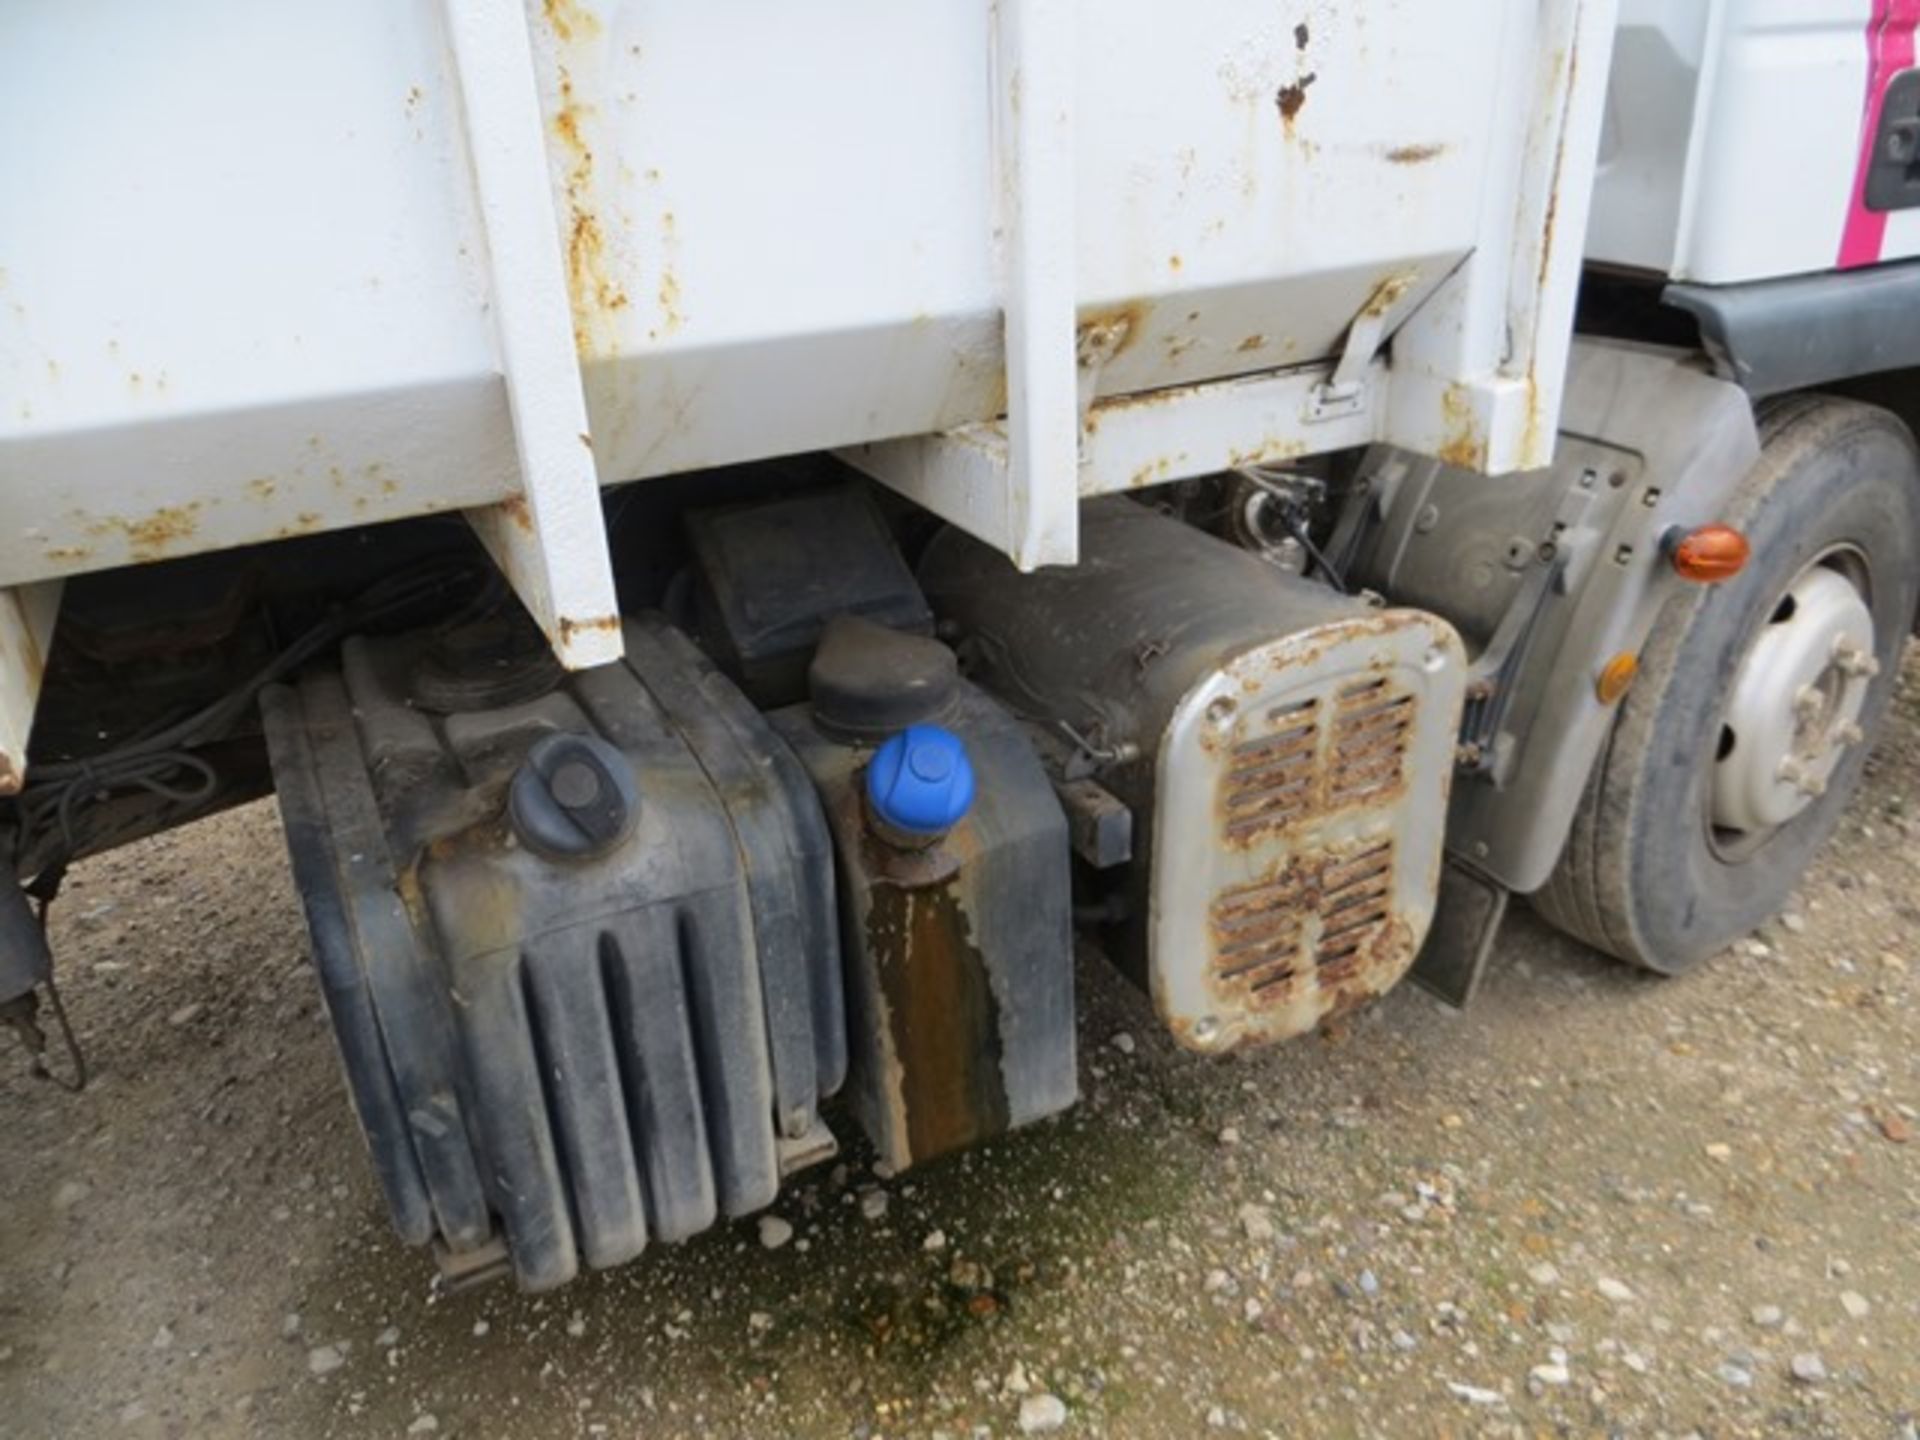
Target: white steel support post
27, 613
550, 539
1015, 483
1478, 371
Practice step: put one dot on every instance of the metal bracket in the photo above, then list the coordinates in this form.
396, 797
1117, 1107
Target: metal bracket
550, 540
1099, 824
1491, 679
1344, 392
1490, 682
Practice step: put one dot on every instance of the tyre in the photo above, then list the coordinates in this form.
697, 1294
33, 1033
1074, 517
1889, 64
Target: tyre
1757, 700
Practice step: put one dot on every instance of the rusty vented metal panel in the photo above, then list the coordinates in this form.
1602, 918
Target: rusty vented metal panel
1269, 782
1303, 932
1286, 752
1370, 731
1301, 791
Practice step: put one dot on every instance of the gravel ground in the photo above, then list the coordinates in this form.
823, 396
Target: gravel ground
1597, 1203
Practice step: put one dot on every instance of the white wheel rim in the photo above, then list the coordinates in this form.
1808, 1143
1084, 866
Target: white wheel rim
1794, 710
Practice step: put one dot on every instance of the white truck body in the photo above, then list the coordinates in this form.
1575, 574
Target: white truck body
277, 268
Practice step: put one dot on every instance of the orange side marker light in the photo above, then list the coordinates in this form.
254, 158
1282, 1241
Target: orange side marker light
1615, 676
1709, 554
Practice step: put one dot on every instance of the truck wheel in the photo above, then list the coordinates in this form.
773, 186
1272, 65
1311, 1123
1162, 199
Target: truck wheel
1756, 701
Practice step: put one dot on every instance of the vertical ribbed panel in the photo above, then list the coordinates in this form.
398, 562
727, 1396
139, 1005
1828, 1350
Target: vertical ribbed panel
573, 1034
652, 1029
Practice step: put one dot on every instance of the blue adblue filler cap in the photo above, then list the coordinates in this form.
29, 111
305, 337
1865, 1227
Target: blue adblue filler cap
920, 782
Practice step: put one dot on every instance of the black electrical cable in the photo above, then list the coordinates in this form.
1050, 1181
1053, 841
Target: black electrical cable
1298, 529
162, 762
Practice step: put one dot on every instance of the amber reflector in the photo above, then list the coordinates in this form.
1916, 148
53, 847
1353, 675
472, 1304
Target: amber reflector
1710, 554
1615, 676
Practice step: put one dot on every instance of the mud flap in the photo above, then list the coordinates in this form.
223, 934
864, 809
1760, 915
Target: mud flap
1465, 924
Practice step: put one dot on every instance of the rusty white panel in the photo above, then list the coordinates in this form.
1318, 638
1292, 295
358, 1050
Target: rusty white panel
1137, 440
1301, 799
789, 274
243, 290
245, 247
27, 615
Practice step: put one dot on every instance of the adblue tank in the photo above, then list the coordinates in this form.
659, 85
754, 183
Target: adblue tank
954, 882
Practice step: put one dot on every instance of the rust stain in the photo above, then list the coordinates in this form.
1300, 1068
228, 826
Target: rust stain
1291, 98
1104, 335
1461, 443
1553, 186
1250, 344
1414, 154
514, 507
10, 777
595, 294
942, 1017
262, 487
671, 317
64, 554
569, 20
938, 1017
1151, 473
305, 523
599, 625
587, 440
151, 536
1131, 404
1175, 263
1532, 452
1389, 293
1267, 452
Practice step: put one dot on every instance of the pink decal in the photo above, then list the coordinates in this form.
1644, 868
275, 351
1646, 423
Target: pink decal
1890, 50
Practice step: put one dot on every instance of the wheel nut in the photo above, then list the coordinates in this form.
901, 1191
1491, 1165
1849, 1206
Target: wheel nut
1806, 703
1854, 661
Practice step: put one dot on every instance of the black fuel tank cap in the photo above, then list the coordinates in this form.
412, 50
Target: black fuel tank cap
573, 797
868, 681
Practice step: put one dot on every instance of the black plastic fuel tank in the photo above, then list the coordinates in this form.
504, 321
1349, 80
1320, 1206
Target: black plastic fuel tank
954, 881
576, 935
